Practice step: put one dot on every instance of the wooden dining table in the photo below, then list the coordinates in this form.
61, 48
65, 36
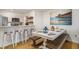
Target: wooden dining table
51, 35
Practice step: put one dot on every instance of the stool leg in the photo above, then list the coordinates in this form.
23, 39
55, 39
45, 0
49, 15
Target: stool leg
12, 37
44, 43
15, 39
4, 37
3, 43
26, 36
22, 38
15, 44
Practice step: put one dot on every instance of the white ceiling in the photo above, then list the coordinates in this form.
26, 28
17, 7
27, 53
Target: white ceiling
22, 11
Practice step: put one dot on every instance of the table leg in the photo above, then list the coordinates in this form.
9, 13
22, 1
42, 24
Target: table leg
44, 44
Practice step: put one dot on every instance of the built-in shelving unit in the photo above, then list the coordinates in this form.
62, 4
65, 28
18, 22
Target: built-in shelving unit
29, 20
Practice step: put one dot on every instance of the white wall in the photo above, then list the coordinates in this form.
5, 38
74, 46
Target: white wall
75, 24
38, 18
71, 29
46, 19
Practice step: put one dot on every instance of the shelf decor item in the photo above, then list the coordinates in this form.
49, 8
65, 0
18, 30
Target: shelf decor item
45, 29
52, 28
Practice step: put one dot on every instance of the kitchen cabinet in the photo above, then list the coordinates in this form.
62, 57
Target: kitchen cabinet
3, 21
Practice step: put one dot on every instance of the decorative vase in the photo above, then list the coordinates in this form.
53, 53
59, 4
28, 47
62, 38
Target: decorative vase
45, 30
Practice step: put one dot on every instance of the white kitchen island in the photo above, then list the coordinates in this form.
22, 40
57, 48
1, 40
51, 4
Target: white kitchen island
11, 30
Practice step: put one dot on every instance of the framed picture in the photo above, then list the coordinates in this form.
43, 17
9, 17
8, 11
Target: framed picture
62, 19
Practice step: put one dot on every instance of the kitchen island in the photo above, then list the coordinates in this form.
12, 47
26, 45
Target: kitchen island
14, 34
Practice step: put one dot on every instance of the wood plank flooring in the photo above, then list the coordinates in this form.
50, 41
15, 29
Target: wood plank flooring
24, 45
29, 45
70, 45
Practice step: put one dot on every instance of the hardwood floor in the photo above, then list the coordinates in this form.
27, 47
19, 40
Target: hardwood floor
25, 45
29, 45
70, 45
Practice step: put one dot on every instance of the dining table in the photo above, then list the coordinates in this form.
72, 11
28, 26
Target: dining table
50, 35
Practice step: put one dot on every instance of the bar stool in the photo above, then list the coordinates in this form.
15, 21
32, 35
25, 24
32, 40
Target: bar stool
26, 36
8, 34
4, 37
26, 33
19, 35
30, 31
16, 37
21, 32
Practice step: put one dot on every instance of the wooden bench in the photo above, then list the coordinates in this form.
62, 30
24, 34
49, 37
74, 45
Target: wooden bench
36, 40
58, 42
